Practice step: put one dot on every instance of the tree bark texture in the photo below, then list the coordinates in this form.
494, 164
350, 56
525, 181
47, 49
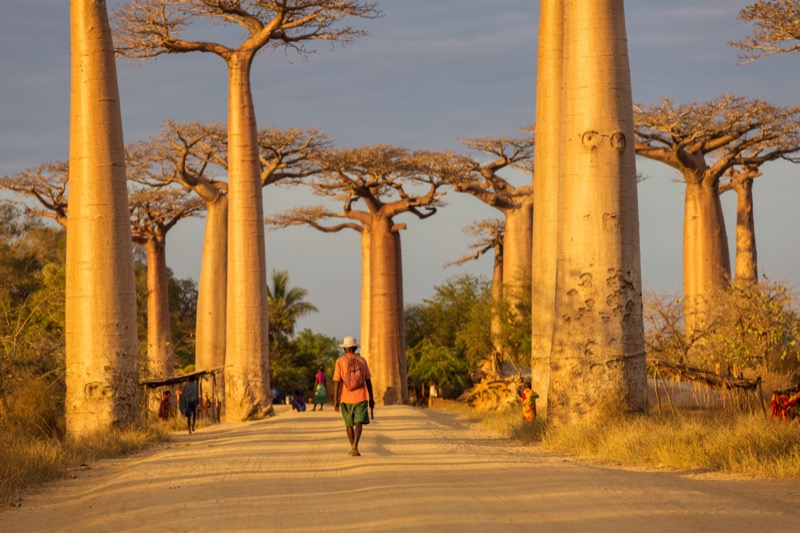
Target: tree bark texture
212, 289
545, 194
247, 390
746, 253
365, 289
497, 292
597, 363
101, 338
706, 260
517, 244
386, 327
160, 361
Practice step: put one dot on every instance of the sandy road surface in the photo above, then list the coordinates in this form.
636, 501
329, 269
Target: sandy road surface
420, 469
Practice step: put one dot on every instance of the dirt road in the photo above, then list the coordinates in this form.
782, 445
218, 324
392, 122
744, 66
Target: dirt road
420, 470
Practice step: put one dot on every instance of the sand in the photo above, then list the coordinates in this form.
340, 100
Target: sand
420, 470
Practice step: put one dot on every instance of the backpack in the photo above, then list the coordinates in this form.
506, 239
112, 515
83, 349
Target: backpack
353, 379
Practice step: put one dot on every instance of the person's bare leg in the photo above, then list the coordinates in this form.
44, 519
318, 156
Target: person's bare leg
356, 437
350, 434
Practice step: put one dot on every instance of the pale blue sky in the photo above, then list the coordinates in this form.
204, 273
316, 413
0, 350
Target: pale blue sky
430, 72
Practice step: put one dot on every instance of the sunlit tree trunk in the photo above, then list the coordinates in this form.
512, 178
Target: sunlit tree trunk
247, 389
517, 243
497, 299
101, 344
365, 290
746, 254
160, 363
597, 361
706, 260
545, 194
386, 328
212, 288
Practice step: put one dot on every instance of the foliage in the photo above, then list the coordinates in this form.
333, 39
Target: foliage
31, 325
294, 368
757, 327
448, 333
748, 327
514, 334
183, 312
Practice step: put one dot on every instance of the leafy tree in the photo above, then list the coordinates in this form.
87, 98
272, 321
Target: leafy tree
295, 368
32, 268
449, 332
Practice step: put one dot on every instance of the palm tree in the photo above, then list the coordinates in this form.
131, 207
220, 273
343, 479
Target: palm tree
286, 306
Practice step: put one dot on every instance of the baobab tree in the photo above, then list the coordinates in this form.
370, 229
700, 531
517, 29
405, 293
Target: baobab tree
149, 28
703, 142
774, 28
741, 180
515, 202
47, 184
154, 212
102, 373
545, 193
597, 359
385, 181
190, 154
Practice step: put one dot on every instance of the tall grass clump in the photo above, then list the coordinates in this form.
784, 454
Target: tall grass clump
26, 461
723, 442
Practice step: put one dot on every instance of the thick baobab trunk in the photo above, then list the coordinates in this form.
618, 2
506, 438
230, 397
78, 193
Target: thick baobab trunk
706, 261
517, 243
160, 362
365, 290
101, 345
386, 328
212, 288
597, 361
247, 390
746, 255
545, 193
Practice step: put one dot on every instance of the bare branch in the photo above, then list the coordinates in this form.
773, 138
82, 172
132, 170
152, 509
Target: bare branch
776, 29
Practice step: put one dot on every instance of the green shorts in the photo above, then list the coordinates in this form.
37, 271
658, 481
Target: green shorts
354, 413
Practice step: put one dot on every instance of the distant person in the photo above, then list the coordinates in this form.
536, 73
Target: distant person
190, 396
164, 407
298, 403
352, 390
319, 388
528, 403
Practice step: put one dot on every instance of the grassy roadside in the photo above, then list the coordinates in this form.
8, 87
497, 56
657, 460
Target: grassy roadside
26, 461
751, 445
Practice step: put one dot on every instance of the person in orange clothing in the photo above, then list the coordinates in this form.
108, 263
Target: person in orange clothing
352, 392
528, 403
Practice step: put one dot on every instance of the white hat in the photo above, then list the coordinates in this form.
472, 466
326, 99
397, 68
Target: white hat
349, 342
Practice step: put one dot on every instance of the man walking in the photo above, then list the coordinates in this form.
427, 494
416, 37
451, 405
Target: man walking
190, 396
352, 390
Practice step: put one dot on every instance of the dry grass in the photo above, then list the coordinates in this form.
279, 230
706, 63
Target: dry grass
27, 461
729, 443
